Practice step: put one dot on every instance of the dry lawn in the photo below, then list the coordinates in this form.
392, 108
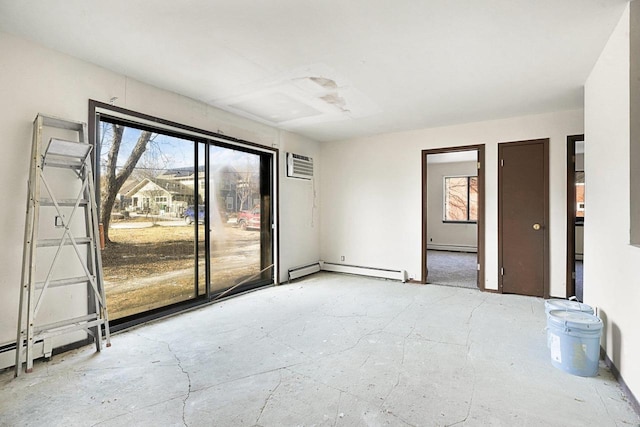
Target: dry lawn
153, 266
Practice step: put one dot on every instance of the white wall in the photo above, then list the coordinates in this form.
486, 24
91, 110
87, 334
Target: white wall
35, 80
371, 192
441, 235
611, 279
299, 207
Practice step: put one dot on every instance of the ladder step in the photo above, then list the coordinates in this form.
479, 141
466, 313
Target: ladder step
64, 282
61, 123
64, 202
56, 242
67, 149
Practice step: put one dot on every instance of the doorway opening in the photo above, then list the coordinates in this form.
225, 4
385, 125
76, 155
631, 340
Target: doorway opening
453, 216
575, 215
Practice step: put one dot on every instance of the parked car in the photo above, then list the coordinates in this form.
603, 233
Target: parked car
189, 214
249, 219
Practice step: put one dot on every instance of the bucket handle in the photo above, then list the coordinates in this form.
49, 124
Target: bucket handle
575, 298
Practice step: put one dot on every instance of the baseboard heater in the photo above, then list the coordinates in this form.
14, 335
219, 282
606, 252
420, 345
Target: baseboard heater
454, 248
383, 273
8, 353
304, 270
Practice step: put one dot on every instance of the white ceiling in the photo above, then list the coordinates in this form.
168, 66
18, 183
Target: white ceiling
336, 69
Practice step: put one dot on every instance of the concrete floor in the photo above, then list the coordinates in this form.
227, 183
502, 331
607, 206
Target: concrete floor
329, 350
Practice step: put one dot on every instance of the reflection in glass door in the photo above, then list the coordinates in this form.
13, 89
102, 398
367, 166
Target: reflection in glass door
238, 198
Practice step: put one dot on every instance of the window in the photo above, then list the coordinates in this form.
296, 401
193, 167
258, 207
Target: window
460, 199
579, 197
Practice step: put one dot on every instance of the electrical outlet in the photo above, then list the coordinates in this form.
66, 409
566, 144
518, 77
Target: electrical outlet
342, 258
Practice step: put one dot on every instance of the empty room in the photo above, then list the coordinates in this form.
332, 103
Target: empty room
285, 213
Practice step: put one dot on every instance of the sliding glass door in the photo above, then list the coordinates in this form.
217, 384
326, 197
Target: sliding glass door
184, 218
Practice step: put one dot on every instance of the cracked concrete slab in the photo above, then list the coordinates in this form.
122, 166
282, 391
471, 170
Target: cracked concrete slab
332, 350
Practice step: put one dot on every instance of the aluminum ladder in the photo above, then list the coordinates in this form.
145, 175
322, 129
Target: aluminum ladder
56, 228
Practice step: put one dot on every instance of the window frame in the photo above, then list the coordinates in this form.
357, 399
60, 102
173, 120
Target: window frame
99, 111
468, 204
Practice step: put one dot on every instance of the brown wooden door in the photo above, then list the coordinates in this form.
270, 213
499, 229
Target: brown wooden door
523, 200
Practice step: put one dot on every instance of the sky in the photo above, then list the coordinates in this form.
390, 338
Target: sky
168, 152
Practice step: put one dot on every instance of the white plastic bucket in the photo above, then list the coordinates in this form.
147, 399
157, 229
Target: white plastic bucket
566, 305
574, 341
563, 304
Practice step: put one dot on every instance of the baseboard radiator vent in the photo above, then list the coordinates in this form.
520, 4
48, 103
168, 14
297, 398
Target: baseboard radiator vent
454, 248
382, 273
8, 353
304, 270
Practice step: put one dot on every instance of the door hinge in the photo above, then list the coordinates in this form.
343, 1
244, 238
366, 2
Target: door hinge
478, 165
501, 162
478, 267
502, 271
573, 275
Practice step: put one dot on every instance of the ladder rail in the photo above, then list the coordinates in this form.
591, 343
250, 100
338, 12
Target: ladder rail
35, 195
96, 232
29, 243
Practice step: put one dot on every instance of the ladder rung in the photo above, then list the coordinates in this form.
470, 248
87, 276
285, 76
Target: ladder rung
68, 329
63, 165
69, 326
63, 282
63, 202
67, 241
65, 322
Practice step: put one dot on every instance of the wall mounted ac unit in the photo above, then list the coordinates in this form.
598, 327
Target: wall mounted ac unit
299, 166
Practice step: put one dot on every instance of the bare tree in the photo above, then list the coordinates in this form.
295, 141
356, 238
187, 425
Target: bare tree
456, 198
247, 183
113, 177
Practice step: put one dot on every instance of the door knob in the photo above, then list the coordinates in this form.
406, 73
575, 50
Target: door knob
536, 226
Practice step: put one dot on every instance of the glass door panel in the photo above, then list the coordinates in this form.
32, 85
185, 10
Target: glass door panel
236, 223
149, 214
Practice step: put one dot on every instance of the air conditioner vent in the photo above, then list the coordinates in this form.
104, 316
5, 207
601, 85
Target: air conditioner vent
299, 166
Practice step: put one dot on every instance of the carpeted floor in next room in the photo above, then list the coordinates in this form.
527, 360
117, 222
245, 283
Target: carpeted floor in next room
452, 268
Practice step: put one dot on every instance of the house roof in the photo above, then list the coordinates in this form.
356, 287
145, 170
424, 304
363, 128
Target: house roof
168, 186
335, 69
